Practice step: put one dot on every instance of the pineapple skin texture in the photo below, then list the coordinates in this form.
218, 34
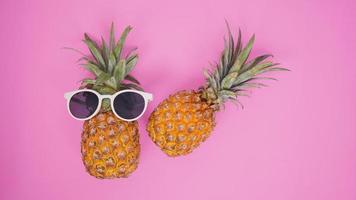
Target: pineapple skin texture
181, 123
110, 147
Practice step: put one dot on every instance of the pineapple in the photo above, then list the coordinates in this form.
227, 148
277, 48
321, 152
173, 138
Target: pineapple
185, 119
110, 147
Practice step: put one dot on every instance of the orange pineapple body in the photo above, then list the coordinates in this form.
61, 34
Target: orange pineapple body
110, 147
181, 122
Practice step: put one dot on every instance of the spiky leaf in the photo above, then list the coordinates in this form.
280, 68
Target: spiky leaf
131, 63
93, 68
106, 52
234, 72
242, 57
253, 71
132, 79
102, 78
131, 53
104, 89
112, 38
94, 49
111, 62
238, 46
120, 43
254, 62
111, 72
111, 82
130, 86
227, 94
86, 82
227, 82
119, 71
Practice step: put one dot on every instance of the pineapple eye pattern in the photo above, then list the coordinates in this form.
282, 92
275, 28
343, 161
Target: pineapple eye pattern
171, 133
106, 152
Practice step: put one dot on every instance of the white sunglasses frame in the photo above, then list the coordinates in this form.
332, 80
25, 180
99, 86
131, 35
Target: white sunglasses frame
146, 96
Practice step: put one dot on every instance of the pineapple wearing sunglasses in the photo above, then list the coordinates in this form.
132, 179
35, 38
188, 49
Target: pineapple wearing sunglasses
186, 119
110, 145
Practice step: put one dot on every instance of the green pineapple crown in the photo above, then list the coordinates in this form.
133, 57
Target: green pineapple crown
110, 68
234, 74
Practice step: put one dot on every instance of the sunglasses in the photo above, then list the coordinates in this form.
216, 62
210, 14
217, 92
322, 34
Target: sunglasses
127, 105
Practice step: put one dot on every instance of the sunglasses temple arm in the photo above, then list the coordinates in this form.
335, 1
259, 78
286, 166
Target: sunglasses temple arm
150, 97
66, 95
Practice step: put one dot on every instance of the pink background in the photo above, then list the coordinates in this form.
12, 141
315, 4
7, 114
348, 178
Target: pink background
294, 140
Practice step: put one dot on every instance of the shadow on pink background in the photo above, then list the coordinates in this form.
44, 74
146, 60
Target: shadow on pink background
295, 140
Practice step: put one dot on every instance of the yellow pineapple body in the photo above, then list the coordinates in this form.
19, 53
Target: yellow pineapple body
110, 147
181, 122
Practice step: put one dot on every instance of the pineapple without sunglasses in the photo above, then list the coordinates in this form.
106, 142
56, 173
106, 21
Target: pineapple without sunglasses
110, 146
186, 119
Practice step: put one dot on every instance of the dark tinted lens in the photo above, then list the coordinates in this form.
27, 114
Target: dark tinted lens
83, 104
129, 105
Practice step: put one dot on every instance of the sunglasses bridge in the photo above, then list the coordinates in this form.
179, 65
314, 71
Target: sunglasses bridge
105, 96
